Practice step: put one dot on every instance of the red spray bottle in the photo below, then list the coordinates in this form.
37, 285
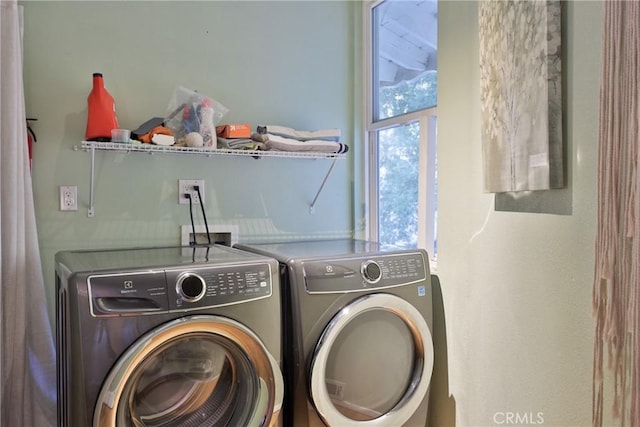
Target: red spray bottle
101, 117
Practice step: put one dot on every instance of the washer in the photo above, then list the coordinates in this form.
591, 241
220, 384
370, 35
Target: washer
168, 337
357, 333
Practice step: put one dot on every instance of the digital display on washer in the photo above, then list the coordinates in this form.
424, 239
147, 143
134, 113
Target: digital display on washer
344, 274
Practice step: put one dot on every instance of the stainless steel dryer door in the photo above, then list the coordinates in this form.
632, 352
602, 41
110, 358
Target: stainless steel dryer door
193, 371
372, 364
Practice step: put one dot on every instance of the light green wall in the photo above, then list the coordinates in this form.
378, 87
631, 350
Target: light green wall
286, 63
516, 286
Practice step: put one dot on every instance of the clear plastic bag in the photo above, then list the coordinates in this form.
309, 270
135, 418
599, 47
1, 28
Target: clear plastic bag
190, 111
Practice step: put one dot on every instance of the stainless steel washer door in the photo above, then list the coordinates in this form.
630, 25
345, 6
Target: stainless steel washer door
372, 365
193, 371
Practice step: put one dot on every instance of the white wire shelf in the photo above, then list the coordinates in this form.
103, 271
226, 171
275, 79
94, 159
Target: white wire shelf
92, 146
152, 148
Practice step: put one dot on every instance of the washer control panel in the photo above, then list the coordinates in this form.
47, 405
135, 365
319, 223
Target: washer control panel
161, 291
215, 286
355, 274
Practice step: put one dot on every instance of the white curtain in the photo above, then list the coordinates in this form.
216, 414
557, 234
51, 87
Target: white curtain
27, 359
616, 290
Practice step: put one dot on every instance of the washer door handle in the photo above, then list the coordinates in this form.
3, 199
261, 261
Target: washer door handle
115, 305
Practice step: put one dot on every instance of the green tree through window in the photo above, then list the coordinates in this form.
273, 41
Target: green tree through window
402, 62
398, 159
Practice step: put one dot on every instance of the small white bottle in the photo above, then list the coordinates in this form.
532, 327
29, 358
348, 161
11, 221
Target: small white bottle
207, 128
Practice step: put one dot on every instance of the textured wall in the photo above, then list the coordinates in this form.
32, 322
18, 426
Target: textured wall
516, 286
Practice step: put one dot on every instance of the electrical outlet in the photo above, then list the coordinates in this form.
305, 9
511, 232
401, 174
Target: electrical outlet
187, 186
68, 198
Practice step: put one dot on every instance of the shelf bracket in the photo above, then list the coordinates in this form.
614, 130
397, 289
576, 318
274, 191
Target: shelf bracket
92, 150
92, 146
312, 207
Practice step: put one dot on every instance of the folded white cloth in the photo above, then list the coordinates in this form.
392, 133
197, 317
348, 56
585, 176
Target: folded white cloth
303, 135
276, 142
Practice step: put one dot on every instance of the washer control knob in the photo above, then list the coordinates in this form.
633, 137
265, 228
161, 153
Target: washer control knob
191, 287
371, 271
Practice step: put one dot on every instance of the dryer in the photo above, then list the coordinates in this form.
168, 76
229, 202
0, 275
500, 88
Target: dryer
358, 348
168, 337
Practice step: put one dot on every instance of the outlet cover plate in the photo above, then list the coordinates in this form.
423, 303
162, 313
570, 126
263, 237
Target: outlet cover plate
68, 198
186, 186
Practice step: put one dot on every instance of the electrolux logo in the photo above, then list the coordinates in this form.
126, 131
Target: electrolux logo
509, 418
128, 287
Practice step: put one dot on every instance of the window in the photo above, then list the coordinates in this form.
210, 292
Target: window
401, 63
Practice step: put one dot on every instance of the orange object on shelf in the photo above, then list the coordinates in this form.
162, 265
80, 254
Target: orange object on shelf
235, 130
158, 130
101, 117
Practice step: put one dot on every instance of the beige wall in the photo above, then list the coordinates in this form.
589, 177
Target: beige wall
516, 286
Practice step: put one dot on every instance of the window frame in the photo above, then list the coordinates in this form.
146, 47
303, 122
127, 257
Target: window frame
427, 119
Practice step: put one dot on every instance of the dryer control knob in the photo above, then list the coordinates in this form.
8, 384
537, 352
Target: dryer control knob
371, 271
191, 287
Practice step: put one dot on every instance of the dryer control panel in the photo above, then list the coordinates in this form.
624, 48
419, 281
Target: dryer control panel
355, 274
161, 291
